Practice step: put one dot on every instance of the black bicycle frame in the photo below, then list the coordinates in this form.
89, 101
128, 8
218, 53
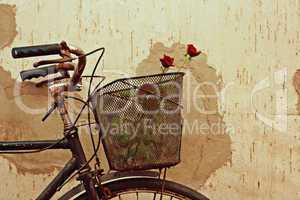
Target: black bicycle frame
33, 145
71, 166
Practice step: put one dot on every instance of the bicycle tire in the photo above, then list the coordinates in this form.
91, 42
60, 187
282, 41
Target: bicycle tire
134, 185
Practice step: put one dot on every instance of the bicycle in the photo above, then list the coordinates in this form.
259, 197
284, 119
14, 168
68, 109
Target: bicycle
140, 174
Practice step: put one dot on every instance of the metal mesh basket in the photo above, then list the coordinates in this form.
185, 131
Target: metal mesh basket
140, 121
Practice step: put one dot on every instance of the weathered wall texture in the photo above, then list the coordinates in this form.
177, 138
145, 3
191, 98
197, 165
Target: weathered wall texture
251, 56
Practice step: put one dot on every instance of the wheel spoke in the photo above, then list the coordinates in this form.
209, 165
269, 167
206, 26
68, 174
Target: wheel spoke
145, 195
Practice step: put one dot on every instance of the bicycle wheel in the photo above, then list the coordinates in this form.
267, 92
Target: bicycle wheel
148, 188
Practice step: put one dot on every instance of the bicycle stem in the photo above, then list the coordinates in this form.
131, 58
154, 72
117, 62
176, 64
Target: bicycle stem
70, 131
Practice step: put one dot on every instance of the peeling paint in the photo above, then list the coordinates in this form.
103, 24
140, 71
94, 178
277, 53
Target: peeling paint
296, 84
7, 24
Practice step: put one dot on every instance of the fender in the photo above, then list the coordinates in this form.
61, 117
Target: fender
108, 178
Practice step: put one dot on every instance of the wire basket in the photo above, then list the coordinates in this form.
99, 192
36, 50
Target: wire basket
140, 121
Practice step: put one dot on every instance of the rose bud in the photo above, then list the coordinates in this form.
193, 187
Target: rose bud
192, 50
167, 61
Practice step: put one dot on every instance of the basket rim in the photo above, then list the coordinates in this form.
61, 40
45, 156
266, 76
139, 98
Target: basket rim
136, 77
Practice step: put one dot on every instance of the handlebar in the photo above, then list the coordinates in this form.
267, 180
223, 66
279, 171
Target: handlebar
36, 73
39, 50
62, 49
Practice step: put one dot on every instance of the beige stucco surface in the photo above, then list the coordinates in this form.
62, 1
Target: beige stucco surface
251, 52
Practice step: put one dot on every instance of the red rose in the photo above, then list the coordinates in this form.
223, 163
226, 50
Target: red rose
192, 50
167, 61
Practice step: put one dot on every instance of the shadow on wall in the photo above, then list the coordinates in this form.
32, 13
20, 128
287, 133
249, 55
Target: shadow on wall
206, 147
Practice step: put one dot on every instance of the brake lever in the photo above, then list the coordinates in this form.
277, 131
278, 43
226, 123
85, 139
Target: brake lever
46, 62
65, 57
52, 108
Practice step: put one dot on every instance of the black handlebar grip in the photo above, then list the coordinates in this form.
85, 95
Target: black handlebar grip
36, 73
39, 50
